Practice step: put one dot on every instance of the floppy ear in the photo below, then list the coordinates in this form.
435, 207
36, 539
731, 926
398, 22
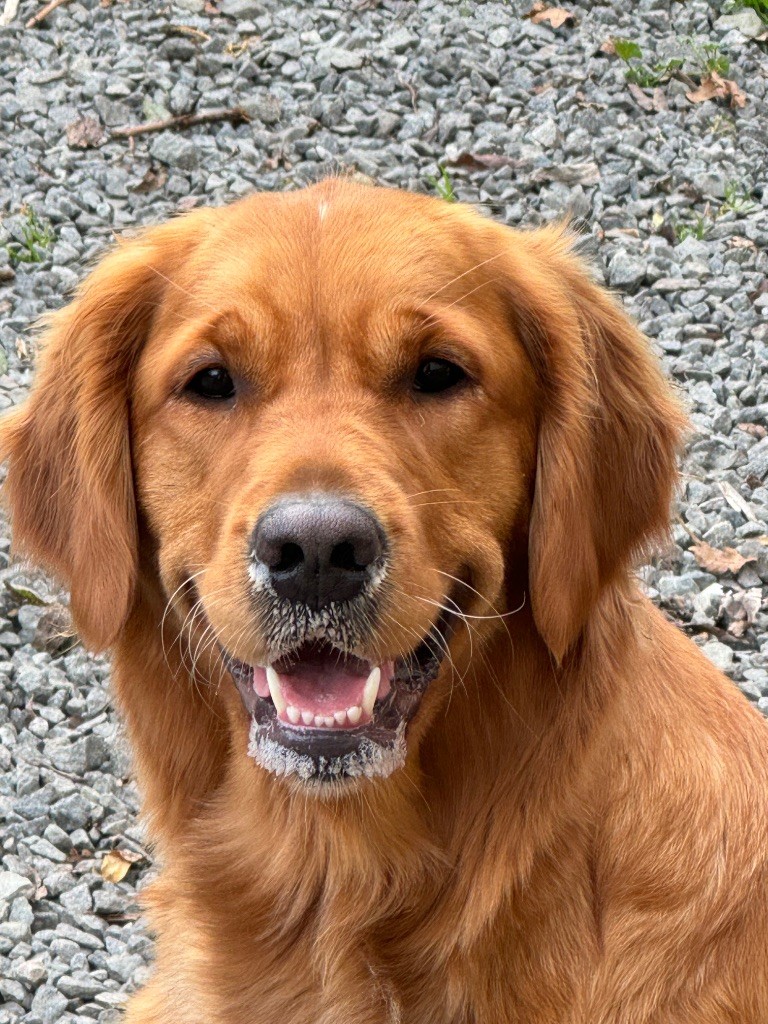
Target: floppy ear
609, 436
69, 487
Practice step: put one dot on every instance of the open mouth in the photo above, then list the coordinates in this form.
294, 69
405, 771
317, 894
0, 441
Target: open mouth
323, 714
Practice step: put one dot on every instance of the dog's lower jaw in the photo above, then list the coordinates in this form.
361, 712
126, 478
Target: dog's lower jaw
371, 758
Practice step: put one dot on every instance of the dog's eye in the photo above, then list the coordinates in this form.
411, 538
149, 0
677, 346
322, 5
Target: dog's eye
213, 382
438, 375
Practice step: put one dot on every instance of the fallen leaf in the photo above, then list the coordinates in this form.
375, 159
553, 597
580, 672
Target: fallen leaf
660, 99
556, 16
739, 242
154, 178
117, 864
714, 86
736, 501
642, 99
85, 133
608, 47
485, 161
580, 173
716, 560
755, 429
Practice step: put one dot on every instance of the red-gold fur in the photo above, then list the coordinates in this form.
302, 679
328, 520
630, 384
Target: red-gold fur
580, 833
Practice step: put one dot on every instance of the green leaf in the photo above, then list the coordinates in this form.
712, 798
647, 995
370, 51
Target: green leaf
626, 49
25, 594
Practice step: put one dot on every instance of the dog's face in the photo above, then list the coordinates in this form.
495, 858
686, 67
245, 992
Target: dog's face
334, 433
329, 425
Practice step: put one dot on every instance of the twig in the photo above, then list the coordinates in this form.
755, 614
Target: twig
411, 89
43, 13
234, 114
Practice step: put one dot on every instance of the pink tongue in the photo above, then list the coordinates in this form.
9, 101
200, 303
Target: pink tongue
322, 686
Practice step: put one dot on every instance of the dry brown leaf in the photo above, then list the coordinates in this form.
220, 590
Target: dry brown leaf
154, 178
478, 161
117, 864
642, 99
85, 133
755, 429
714, 86
739, 242
660, 100
555, 16
716, 560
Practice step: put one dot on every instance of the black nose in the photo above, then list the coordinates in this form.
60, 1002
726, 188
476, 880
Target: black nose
318, 550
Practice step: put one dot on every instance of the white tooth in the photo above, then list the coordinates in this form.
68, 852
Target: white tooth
319, 721
371, 689
273, 682
328, 721
294, 715
340, 716
354, 714
307, 718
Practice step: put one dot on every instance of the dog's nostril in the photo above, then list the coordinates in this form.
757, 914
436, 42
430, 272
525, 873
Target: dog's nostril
291, 557
343, 557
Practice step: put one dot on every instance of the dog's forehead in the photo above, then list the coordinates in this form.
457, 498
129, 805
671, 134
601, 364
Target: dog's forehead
337, 246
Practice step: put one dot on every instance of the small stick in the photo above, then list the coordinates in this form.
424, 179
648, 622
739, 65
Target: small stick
234, 114
43, 13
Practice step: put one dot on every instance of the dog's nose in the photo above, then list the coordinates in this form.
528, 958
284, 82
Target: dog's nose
318, 550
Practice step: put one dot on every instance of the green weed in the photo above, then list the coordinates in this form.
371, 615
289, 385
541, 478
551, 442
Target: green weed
699, 227
646, 75
37, 237
701, 60
444, 186
737, 199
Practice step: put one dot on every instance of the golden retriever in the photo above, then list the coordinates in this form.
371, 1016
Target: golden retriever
351, 482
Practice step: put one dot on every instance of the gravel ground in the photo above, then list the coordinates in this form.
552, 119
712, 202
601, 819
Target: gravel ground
530, 122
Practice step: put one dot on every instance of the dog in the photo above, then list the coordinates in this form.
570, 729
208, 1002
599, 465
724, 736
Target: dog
351, 482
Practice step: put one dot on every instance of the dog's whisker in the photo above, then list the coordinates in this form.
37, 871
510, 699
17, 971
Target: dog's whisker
465, 273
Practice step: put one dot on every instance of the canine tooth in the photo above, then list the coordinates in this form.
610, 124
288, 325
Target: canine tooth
354, 714
273, 682
371, 689
340, 716
294, 715
307, 718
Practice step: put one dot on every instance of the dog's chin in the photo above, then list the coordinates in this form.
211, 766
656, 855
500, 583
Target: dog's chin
322, 716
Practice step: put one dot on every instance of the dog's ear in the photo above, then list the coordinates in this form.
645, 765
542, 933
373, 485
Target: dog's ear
69, 487
609, 436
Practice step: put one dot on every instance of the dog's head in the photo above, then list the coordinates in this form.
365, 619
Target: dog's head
333, 426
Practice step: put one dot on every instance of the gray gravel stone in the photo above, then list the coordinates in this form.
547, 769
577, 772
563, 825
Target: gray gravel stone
13, 885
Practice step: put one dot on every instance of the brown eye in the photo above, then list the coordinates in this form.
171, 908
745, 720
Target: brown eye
435, 375
213, 383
